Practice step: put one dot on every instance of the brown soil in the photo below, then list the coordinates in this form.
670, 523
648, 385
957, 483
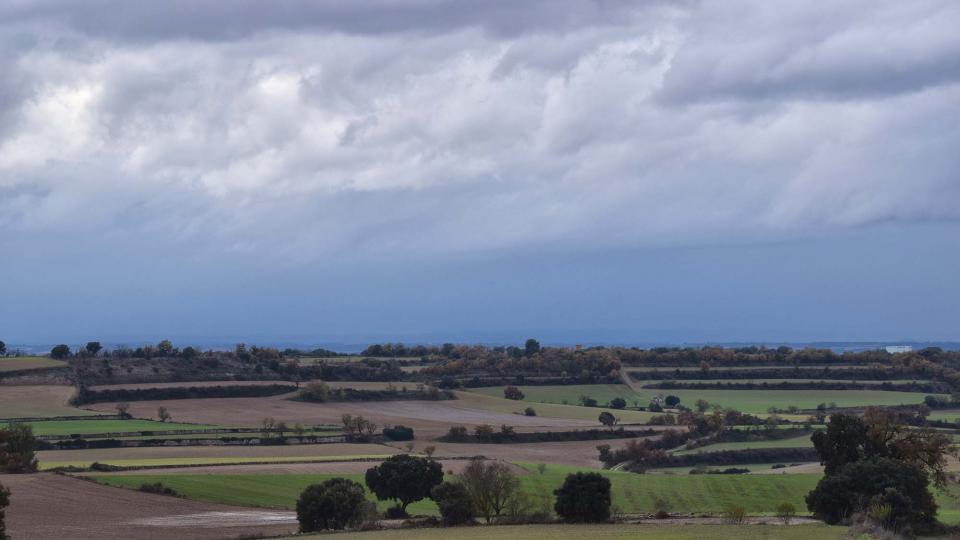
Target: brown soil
428, 418
36, 401
134, 386
319, 450
44, 506
345, 467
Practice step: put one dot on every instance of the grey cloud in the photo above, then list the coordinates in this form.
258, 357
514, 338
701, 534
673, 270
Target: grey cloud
212, 19
827, 50
432, 129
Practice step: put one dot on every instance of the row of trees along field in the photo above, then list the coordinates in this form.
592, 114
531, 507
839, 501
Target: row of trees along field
486, 489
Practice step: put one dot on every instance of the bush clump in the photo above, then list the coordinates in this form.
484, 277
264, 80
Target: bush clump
584, 497
158, 488
398, 433
453, 501
335, 504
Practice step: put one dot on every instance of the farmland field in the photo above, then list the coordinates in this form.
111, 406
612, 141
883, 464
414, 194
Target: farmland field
802, 441
191, 461
609, 532
497, 403
17, 363
38, 401
751, 401
778, 381
207, 453
633, 492
70, 427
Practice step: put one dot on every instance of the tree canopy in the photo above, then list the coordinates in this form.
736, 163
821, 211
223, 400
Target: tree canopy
334, 504
404, 478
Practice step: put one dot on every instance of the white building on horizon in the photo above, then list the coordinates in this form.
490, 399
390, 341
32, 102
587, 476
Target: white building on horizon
894, 349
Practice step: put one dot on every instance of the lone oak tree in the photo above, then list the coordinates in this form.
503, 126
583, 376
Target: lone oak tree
404, 478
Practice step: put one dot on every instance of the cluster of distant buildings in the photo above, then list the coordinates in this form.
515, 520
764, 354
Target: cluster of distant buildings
894, 349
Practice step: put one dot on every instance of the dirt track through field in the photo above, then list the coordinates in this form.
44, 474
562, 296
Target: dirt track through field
45, 506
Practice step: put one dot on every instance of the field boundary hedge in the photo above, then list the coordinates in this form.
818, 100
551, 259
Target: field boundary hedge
87, 396
928, 388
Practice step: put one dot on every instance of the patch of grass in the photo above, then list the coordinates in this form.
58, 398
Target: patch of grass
189, 461
607, 532
28, 362
634, 493
751, 401
489, 402
802, 441
71, 427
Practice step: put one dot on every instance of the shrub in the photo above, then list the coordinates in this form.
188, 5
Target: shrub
584, 497
457, 433
453, 501
315, 391
734, 514
404, 478
491, 486
529, 411
337, 503
876, 480
618, 403
398, 433
512, 392
396, 512
786, 512
18, 449
159, 489
672, 401
4, 502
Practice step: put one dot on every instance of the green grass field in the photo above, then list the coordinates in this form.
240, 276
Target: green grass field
491, 403
802, 441
71, 427
777, 381
633, 493
751, 401
28, 362
190, 461
603, 393
607, 532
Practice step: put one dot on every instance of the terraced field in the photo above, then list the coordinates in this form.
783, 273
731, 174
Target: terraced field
28, 362
90, 427
38, 401
609, 532
632, 492
192, 461
796, 442
181, 455
752, 401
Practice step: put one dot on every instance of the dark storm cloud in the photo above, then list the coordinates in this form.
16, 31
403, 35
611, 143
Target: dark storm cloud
212, 19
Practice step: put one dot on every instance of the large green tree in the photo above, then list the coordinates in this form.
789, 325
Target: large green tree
875, 481
337, 503
584, 497
404, 478
18, 449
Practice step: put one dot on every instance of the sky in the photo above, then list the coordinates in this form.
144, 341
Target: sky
576, 170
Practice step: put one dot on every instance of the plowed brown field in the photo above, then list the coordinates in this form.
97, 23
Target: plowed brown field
45, 506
